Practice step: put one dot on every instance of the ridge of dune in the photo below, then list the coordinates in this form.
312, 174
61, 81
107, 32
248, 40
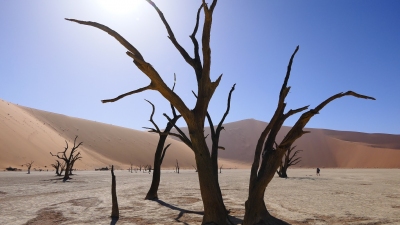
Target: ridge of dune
321, 147
29, 134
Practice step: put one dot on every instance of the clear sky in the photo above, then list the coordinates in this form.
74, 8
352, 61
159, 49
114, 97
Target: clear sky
55, 65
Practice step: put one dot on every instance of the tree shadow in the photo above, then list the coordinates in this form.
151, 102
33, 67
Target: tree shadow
183, 211
114, 220
276, 221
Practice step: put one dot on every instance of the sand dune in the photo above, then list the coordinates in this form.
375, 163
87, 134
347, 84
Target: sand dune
321, 148
29, 134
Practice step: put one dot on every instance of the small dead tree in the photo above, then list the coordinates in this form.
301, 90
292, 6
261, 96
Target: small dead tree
287, 161
115, 209
160, 150
194, 168
177, 167
220, 169
70, 159
271, 156
59, 166
29, 165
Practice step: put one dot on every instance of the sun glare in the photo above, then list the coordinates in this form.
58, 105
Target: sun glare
119, 6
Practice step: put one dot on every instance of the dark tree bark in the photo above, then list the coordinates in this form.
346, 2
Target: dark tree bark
214, 208
115, 210
69, 160
288, 160
160, 152
177, 167
29, 165
263, 172
59, 166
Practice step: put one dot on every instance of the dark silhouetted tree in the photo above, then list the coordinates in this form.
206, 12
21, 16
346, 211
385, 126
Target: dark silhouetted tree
288, 160
115, 209
214, 208
160, 150
177, 167
271, 157
29, 165
59, 166
69, 159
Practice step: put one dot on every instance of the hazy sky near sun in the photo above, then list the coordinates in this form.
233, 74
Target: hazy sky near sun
52, 64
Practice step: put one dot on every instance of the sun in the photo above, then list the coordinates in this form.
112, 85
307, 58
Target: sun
119, 6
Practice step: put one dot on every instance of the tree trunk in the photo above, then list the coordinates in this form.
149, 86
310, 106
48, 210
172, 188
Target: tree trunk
152, 193
282, 172
214, 208
115, 209
66, 173
255, 210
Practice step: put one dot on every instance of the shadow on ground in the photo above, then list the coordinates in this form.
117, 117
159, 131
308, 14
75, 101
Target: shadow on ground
183, 211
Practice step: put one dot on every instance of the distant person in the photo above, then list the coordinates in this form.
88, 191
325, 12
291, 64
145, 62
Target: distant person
318, 170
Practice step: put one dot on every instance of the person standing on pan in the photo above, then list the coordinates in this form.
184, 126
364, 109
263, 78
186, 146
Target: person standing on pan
318, 170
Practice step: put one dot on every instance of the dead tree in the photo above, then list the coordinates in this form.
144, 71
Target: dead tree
29, 165
115, 210
149, 168
59, 166
70, 159
62, 168
214, 208
177, 167
287, 161
220, 169
160, 150
195, 169
271, 156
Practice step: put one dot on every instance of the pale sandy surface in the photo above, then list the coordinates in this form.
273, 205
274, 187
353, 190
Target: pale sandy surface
338, 196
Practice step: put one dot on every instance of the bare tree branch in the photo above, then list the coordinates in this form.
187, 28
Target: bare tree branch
297, 130
182, 136
292, 112
149, 87
157, 82
193, 35
163, 153
152, 114
171, 36
276, 118
117, 36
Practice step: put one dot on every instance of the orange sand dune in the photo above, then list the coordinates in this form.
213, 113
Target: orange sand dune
28, 134
321, 148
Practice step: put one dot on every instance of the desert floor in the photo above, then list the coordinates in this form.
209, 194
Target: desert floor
338, 196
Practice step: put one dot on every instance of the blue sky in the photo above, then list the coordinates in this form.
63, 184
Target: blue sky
51, 64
